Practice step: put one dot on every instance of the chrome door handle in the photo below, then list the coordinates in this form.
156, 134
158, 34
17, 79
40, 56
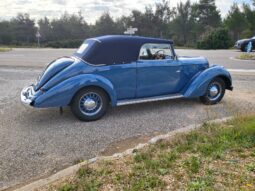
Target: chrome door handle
178, 71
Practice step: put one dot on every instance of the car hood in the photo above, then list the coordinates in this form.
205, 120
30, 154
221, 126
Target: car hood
193, 60
52, 69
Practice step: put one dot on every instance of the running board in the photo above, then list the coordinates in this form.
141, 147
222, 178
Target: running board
149, 99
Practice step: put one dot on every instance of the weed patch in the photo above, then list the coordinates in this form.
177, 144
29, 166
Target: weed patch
246, 56
214, 157
5, 49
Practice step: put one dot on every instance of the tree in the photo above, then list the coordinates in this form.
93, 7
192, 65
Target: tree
105, 25
206, 13
205, 16
45, 29
186, 24
162, 17
23, 28
144, 22
6, 36
215, 39
153, 23
235, 21
182, 23
249, 15
69, 27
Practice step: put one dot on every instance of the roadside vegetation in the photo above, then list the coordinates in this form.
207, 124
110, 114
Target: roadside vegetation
214, 157
4, 49
188, 24
247, 56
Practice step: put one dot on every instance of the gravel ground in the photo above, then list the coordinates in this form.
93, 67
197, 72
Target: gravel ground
38, 142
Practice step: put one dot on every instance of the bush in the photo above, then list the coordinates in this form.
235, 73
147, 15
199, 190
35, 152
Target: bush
215, 39
64, 43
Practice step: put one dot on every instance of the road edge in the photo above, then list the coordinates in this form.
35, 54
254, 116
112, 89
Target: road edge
36, 185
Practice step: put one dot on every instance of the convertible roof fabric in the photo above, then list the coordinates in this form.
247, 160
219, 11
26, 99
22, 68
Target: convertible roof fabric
115, 49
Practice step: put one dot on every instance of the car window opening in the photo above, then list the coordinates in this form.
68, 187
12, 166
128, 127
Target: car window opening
155, 52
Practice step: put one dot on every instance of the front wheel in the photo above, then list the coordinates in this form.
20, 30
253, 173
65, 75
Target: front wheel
215, 92
90, 104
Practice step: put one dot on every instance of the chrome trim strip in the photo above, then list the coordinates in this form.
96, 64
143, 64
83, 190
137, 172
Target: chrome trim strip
150, 99
95, 39
95, 65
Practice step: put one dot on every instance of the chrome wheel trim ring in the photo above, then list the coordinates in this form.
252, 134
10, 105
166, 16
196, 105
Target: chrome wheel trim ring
214, 91
90, 104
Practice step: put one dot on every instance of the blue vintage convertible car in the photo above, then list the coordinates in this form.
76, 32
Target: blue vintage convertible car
119, 70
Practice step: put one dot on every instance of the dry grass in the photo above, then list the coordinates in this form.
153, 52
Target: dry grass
215, 157
246, 56
2, 49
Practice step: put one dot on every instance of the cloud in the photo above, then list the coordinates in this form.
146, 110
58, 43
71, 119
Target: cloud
91, 9
60, 2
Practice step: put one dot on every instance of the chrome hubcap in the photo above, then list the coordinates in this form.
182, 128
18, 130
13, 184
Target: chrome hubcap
213, 91
91, 103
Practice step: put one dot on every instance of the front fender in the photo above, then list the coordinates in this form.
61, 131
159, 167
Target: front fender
62, 93
198, 86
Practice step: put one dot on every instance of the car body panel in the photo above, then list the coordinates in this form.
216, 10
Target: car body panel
166, 76
62, 93
198, 85
157, 77
53, 68
123, 78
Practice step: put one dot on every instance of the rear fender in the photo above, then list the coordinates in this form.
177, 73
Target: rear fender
199, 84
62, 93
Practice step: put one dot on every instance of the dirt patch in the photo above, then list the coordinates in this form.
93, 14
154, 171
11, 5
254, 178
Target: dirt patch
123, 145
248, 96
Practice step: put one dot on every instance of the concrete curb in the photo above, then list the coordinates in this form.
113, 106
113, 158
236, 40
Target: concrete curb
73, 169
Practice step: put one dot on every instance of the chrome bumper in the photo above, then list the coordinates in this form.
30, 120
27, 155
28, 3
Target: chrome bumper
27, 95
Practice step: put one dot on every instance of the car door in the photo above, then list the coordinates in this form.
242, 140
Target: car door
123, 78
158, 76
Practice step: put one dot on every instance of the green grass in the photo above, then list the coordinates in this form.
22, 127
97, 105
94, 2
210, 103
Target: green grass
246, 56
215, 157
3, 49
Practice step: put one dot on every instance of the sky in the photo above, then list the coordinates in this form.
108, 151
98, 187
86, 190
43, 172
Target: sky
90, 9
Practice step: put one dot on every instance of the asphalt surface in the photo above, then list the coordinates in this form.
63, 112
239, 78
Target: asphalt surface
39, 58
38, 142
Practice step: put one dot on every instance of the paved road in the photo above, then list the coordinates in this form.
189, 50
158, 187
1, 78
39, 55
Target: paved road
38, 142
221, 57
41, 57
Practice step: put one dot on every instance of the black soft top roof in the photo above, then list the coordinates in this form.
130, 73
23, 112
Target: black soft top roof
115, 49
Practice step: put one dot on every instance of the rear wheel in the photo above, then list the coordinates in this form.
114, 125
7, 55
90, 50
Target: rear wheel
215, 92
90, 104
